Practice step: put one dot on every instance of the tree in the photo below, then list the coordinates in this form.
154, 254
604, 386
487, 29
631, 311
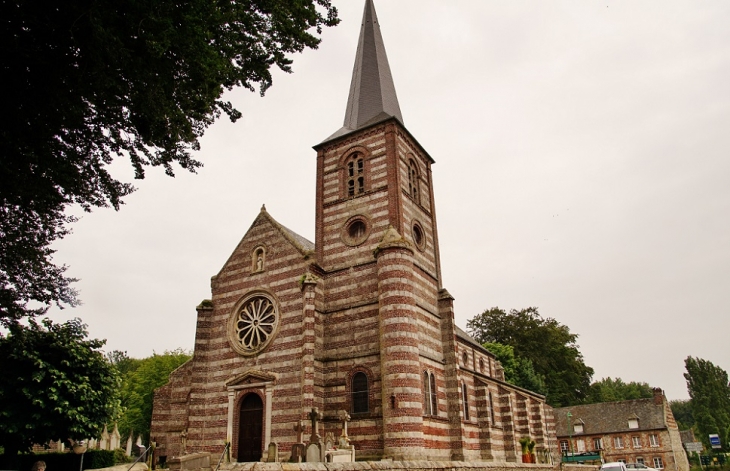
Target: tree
682, 412
709, 391
518, 371
611, 390
549, 345
55, 384
140, 381
92, 81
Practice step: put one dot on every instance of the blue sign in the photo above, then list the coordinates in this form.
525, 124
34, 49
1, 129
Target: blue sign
715, 440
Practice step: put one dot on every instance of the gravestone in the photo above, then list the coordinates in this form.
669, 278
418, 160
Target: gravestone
298, 453
273, 455
314, 453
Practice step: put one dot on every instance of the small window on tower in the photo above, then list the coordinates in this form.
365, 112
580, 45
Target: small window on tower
355, 173
419, 238
355, 231
360, 393
413, 181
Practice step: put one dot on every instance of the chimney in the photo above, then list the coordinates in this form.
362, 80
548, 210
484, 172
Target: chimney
658, 396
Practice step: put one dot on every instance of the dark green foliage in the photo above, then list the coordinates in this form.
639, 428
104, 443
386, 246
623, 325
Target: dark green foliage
55, 384
138, 387
518, 371
93, 459
708, 389
549, 345
682, 412
92, 81
612, 390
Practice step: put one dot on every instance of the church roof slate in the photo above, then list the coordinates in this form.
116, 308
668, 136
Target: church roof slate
372, 95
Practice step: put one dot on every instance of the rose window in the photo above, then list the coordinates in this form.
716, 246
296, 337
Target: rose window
254, 324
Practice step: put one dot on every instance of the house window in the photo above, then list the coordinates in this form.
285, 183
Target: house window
466, 401
653, 440
636, 442
481, 365
633, 423
598, 444
359, 393
658, 463
413, 180
639, 460
564, 446
355, 169
580, 445
491, 406
578, 428
621, 460
618, 442
465, 358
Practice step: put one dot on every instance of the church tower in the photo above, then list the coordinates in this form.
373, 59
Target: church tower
376, 233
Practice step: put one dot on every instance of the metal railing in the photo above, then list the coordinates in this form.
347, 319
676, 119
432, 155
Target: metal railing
227, 447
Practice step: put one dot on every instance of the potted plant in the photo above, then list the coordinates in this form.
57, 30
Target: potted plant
531, 451
525, 444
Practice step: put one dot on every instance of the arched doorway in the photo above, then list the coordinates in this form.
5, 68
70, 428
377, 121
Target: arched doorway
250, 427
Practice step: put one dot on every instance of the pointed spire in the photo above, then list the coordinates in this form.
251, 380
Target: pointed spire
372, 92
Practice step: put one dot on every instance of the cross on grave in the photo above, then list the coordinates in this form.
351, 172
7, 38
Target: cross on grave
299, 428
344, 417
314, 416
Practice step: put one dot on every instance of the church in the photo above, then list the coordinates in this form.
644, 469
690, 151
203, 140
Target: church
357, 324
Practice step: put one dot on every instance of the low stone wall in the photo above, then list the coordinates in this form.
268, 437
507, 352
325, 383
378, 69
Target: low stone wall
395, 466
579, 467
193, 461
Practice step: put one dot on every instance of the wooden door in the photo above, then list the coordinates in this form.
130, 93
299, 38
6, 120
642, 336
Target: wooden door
250, 429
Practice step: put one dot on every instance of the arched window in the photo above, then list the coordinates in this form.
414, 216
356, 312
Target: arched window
413, 181
426, 394
465, 358
430, 394
466, 401
491, 407
360, 393
434, 396
355, 173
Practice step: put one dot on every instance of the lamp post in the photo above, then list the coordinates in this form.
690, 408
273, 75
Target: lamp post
80, 448
570, 433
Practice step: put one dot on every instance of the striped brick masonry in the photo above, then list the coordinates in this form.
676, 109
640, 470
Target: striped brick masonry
358, 321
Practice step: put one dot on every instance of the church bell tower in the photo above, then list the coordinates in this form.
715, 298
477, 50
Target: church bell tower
376, 233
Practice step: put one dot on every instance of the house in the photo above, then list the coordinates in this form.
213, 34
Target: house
301, 337
636, 431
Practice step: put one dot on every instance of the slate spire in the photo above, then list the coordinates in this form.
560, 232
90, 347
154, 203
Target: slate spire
372, 92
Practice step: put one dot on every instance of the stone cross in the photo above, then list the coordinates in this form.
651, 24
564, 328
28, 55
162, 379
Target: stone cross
314, 416
344, 417
299, 428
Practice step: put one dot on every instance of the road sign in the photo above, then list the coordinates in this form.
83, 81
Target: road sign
715, 440
694, 447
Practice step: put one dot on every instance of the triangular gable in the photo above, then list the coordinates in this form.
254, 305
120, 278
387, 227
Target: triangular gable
250, 377
301, 244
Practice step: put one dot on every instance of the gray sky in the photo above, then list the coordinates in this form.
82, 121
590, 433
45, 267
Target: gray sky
582, 167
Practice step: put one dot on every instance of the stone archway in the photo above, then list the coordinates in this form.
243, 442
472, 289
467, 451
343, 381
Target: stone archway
250, 428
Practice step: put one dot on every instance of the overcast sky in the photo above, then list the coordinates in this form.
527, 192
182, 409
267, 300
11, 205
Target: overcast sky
582, 166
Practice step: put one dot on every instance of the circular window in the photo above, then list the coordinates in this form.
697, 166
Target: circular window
253, 324
419, 237
356, 231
